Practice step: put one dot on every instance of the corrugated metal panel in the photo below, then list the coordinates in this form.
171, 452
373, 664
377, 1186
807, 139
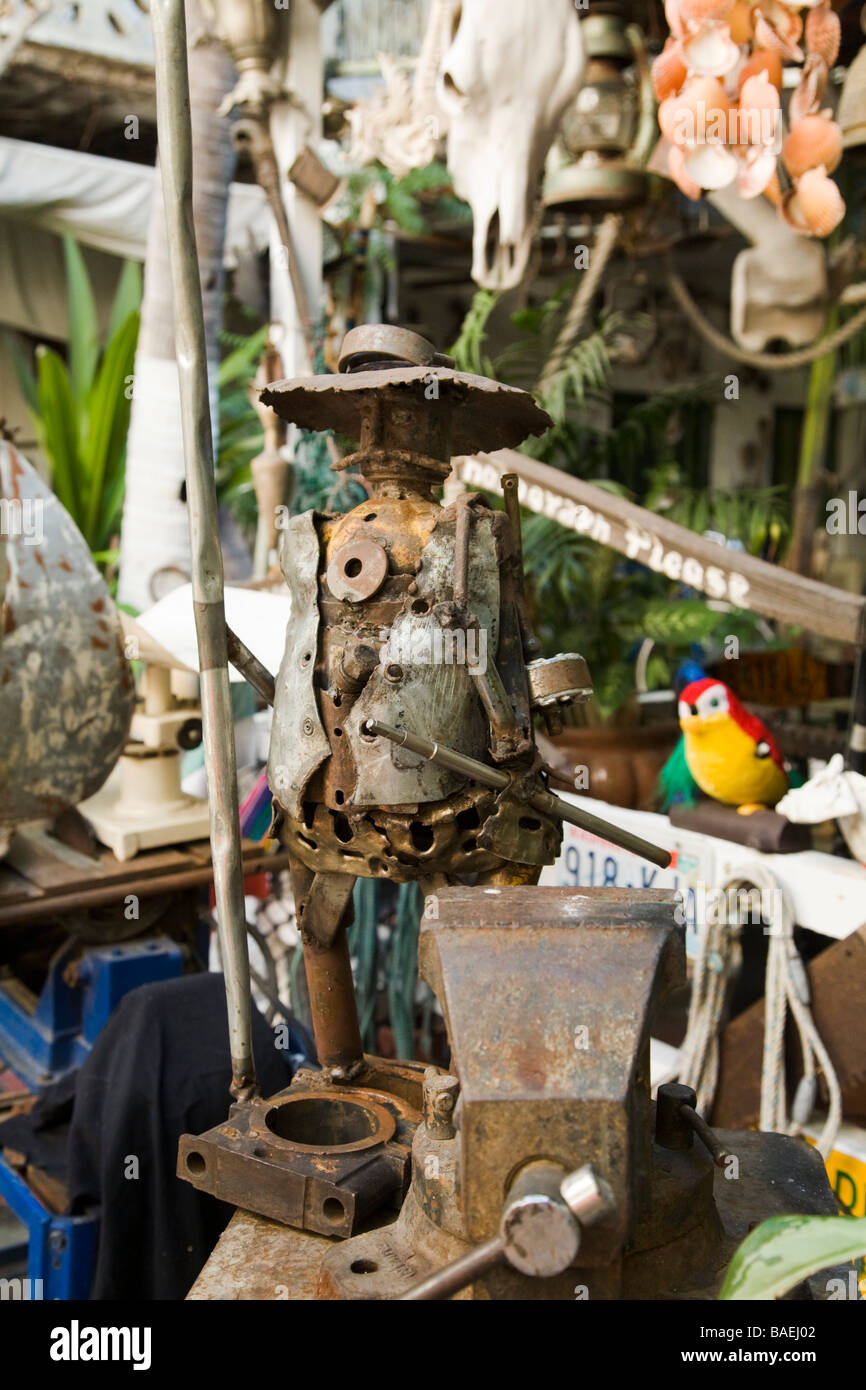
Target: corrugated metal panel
354, 30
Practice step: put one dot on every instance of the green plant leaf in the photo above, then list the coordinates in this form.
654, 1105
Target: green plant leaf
612, 688
784, 1250
108, 409
127, 297
23, 371
241, 363
83, 330
57, 422
678, 624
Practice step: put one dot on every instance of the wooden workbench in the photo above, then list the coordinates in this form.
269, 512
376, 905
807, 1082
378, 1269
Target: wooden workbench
41, 875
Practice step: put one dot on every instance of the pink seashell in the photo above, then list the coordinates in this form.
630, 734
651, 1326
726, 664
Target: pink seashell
669, 125
710, 166
697, 11
823, 34
806, 96
779, 33
819, 202
759, 115
709, 50
668, 71
762, 60
676, 169
759, 91
816, 209
699, 113
741, 22
674, 19
791, 213
757, 169
814, 141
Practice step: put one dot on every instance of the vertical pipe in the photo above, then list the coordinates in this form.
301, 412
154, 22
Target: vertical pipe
332, 1005
174, 136
330, 987
512, 507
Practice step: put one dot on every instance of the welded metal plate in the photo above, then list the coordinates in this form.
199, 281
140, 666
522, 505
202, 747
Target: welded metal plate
434, 695
299, 744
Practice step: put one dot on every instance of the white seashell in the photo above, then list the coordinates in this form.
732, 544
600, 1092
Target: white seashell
710, 166
757, 169
709, 50
676, 170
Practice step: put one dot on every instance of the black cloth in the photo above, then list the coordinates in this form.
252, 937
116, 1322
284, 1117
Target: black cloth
159, 1068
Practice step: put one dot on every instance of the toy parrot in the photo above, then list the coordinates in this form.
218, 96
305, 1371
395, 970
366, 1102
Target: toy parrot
730, 754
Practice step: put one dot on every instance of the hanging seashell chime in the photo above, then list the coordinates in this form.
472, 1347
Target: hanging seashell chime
718, 82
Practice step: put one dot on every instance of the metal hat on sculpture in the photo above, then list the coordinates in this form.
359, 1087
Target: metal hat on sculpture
608, 130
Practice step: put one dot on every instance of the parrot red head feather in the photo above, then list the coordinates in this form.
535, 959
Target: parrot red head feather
709, 696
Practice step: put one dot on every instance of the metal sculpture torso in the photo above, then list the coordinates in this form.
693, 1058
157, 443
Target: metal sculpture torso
412, 614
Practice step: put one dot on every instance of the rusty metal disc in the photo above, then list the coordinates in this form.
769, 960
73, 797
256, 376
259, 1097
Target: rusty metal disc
484, 414
357, 570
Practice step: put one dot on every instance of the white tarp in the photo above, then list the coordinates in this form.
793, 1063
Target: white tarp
105, 203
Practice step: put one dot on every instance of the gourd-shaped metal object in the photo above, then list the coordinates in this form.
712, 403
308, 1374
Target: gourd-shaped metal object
412, 614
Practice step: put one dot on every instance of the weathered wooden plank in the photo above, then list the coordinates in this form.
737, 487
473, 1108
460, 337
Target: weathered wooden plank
670, 549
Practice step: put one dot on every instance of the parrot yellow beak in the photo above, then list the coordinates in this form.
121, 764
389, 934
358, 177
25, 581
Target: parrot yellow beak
691, 724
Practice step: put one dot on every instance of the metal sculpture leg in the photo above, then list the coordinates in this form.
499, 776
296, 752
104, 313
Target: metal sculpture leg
510, 875
323, 903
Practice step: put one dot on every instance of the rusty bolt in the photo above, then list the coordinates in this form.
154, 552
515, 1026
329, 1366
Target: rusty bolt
394, 673
308, 726
440, 1099
357, 664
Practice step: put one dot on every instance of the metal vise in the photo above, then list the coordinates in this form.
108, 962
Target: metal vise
542, 1168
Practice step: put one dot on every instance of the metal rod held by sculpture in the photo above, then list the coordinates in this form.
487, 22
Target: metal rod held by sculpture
546, 802
175, 156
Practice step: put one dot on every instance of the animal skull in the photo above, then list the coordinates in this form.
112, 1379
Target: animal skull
505, 81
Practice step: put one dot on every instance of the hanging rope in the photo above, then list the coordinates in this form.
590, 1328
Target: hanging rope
766, 361
717, 961
787, 987
602, 250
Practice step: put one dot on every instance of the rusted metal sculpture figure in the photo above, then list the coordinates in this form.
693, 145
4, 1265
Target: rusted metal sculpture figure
402, 747
408, 620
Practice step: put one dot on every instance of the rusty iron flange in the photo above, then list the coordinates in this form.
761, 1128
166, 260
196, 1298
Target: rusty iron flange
316, 1156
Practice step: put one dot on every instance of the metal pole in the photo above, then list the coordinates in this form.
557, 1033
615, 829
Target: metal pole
543, 801
174, 136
